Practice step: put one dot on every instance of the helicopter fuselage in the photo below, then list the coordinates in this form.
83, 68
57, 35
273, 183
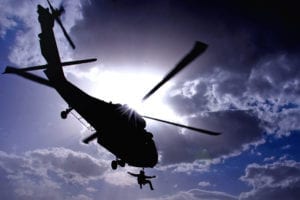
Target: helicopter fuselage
119, 129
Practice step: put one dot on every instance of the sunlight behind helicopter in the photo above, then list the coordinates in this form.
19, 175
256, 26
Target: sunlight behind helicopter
128, 87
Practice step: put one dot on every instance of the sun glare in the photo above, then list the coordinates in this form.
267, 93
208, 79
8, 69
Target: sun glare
129, 88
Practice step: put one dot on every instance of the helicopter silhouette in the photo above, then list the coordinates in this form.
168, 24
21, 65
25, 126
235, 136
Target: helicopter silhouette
118, 128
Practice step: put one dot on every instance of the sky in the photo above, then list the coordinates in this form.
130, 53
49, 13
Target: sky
246, 85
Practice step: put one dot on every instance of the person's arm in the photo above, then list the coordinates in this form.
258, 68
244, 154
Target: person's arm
132, 174
150, 176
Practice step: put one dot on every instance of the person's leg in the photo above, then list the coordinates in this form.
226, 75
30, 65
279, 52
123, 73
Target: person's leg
150, 184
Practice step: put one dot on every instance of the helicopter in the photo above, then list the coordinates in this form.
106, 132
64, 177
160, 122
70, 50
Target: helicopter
118, 128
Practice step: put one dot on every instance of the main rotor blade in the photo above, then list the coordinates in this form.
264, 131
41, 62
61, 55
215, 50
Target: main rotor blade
38, 67
194, 53
184, 126
55, 14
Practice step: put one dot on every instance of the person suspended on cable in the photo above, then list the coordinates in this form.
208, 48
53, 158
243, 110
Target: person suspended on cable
142, 179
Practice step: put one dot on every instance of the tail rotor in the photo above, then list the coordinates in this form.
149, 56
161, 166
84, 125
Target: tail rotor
56, 14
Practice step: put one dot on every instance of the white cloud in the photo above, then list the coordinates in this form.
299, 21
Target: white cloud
200, 165
204, 184
42, 174
188, 89
11, 12
74, 167
23, 18
91, 189
79, 197
119, 178
197, 194
268, 159
286, 147
278, 180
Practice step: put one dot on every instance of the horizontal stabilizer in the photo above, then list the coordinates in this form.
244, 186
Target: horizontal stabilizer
76, 62
90, 138
27, 75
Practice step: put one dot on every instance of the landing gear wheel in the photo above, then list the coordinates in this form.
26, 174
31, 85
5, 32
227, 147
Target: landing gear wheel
114, 164
63, 114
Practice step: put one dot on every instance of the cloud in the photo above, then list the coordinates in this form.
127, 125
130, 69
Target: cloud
11, 13
267, 89
242, 105
43, 174
286, 147
119, 178
204, 184
268, 159
278, 180
193, 151
274, 89
73, 167
276, 74
79, 197
197, 194
22, 17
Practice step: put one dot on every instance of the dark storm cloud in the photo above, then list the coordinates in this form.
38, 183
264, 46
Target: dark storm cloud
276, 77
238, 129
265, 27
279, 180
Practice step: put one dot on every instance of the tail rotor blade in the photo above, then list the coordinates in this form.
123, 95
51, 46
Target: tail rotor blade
56, 14
51, 7
193, 54
208, 132
65, 33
